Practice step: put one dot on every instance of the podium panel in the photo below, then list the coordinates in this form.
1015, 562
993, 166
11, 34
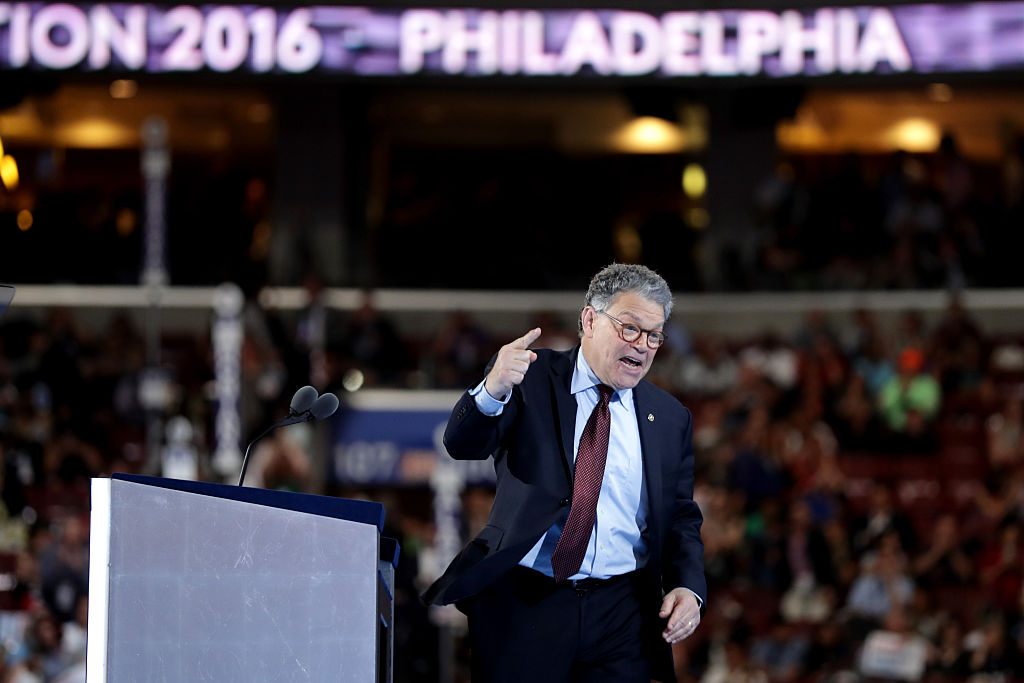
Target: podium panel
193, 587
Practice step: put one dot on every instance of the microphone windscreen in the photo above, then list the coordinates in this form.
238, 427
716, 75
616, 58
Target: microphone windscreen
303, 399
324, 406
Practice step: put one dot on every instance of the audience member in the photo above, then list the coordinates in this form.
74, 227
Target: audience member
1005, 436
946, 561
64, 569
882, 518
894, 651
909, 402
956, 350
882, 586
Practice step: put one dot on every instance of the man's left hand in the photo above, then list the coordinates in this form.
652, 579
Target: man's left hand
683, 613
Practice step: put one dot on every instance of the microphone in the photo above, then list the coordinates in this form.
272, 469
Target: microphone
302, 400
323, 407
306, 406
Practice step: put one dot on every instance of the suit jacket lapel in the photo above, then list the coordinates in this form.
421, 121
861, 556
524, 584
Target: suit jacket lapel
561, 378
649, 442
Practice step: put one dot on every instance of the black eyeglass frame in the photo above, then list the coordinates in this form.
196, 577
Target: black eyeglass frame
651, 334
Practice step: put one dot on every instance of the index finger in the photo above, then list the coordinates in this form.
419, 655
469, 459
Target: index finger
527, 339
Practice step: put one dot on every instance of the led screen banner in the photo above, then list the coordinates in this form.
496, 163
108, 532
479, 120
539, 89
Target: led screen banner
478, 43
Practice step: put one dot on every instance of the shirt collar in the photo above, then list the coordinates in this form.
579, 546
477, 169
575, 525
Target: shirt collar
583, 378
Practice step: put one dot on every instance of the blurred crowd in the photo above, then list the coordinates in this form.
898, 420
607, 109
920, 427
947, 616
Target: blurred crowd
821, 221
862, 484
863, 492
889, 222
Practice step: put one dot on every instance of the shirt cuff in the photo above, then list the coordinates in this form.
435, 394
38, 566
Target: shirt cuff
487, 404
700, 603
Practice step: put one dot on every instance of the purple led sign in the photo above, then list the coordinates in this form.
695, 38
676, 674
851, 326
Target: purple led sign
360, 41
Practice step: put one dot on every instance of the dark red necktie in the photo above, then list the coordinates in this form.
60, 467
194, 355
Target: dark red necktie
586, 487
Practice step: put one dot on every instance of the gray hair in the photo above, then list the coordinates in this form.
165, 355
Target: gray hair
627, 277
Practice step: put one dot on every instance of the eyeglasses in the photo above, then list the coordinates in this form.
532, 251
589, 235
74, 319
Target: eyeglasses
630, 332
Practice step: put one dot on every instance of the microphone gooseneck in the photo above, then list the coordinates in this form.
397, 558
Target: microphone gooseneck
306, 406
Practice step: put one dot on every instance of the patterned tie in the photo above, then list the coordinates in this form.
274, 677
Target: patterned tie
586, 487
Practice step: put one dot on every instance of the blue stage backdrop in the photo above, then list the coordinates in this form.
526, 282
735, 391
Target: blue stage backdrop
395, 438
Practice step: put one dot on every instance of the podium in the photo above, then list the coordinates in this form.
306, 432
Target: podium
193, 581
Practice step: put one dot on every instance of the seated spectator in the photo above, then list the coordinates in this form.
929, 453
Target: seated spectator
774, 360
73, 637
755, 470
948, 658
722, 532
856, 423
823, 370
781, 652
957, 349
881, 519
946, 561
1005, 435
840, 552
910, 332
555, 334
709, 371
859, 333
830, 653
733, 666
1000, 495
992, 653
910, 401
919, 436
1001, 565
708, 426
749, 392
64, 569
874, 366
48, 659
373, 345
882, 585
894, 651
809, 597
460, 350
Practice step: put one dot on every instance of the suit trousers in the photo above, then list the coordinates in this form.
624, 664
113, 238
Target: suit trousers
527, 628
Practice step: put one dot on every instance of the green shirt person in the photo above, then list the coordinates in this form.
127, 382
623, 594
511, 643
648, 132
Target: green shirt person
909, 391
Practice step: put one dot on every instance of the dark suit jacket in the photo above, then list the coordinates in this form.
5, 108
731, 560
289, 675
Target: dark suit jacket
532, 445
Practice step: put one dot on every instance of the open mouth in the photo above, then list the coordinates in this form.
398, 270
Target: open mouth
631, 362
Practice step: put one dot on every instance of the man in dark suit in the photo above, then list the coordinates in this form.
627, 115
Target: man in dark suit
591, 563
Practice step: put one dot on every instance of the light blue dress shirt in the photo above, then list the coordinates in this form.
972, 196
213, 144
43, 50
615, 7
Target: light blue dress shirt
616, 544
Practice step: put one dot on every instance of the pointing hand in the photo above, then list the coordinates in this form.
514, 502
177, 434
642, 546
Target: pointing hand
511, 365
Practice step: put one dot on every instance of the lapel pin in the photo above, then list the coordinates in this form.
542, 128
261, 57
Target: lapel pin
650, 417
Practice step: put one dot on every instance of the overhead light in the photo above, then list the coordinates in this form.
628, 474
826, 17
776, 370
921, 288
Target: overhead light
125, 222
24, 220
915, 135
9, 172
94, 132
698, 218
123, 89
695, 181
940, 92
650, 135
353, 380
259, 112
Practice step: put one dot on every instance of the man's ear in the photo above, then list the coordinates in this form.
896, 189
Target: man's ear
587, 317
